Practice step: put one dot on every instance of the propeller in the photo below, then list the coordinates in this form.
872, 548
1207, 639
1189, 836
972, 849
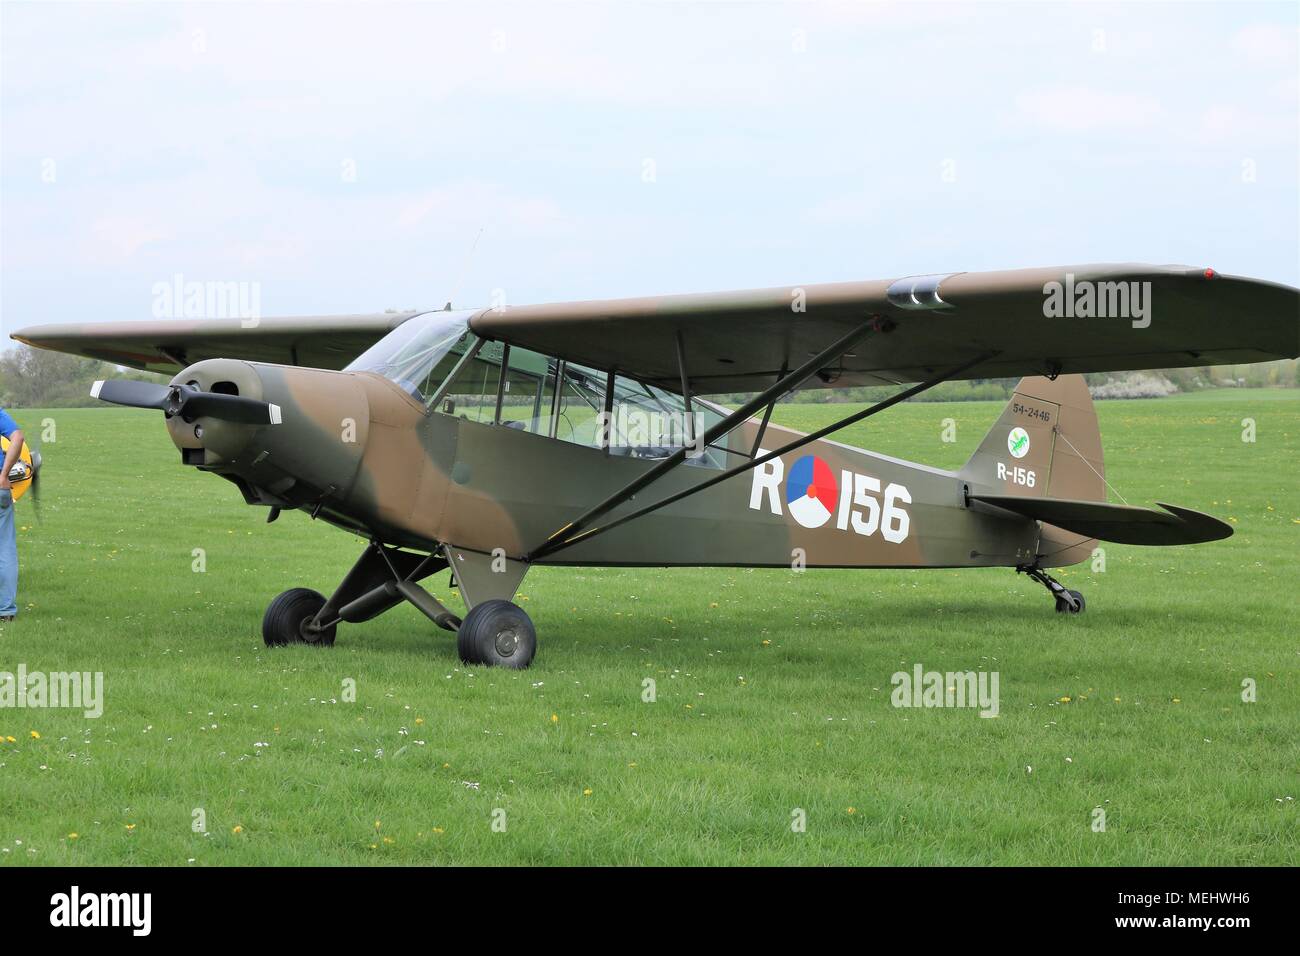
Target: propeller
21, 471
186, 401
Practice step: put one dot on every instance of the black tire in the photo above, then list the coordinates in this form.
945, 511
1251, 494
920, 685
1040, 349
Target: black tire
1063, 607
497, 633
285, 616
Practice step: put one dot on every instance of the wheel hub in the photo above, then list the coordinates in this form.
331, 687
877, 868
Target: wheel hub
507, 641
309, 634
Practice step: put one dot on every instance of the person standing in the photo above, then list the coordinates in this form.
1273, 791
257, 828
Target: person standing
8, 533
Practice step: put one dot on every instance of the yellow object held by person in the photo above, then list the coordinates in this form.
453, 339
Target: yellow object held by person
20, 476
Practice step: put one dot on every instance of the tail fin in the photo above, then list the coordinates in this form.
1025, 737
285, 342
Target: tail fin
1045, 444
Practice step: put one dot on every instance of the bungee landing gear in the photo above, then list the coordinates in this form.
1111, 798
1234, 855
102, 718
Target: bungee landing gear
495, 632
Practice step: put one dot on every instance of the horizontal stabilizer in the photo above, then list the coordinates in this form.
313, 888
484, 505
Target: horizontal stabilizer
1124, 524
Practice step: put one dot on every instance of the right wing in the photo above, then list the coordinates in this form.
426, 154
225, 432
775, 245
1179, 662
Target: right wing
740, 341
168, 345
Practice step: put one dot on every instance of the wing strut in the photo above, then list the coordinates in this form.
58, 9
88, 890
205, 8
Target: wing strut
782, 386
555, 543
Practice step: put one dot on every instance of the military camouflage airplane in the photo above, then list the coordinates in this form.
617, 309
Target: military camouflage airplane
490, 440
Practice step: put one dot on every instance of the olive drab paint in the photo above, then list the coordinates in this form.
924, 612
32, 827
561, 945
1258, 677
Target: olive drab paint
475, 492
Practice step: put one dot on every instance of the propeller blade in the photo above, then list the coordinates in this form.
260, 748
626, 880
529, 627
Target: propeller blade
186, 401
36, 482
122, 391
230, 408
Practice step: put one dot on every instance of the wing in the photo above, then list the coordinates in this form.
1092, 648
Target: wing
326, 341
1034, 321
1029, 321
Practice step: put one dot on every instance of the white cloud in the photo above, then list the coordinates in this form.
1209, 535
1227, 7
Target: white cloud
1267, 44
1082, 108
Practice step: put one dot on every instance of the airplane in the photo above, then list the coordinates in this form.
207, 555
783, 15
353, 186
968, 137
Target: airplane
486, 441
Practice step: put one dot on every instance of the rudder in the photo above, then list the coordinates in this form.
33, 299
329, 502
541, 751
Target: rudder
1046, 443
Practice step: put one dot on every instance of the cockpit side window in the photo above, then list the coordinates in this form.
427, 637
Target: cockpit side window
472, 392
528, 396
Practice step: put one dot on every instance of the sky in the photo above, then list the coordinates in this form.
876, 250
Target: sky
355, 157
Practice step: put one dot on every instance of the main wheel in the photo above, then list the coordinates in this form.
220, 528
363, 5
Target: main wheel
497, 633
287, 617
1063, 607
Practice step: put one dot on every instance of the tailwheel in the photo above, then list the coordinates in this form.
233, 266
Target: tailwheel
1065, 607
1067, 601
497, 633
289, 617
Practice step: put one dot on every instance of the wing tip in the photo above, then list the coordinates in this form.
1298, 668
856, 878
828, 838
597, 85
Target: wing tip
1206, 527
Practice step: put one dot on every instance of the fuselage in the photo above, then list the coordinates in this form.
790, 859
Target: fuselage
359, 451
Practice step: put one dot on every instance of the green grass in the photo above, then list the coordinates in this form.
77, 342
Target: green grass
773, 687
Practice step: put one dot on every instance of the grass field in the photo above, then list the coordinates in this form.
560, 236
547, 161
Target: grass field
773, 688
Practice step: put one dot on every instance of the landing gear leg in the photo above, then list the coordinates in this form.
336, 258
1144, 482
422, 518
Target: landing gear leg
381, 579
496, 631
1067, 601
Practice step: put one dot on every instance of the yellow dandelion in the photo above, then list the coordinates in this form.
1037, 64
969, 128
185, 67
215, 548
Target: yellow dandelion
237, 828
1178, 700
587, 792
851, 810
36, 735
438, 830
767, 643
1065, 700
419, 721
73, 835
130, 827
388, 839
555, 718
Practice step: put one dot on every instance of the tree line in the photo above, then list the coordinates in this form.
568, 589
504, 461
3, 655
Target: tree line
37, 378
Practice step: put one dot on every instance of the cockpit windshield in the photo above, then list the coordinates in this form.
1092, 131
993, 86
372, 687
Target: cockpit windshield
412, 354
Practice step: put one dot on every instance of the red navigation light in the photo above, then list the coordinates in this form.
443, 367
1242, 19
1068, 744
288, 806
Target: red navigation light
1209, 273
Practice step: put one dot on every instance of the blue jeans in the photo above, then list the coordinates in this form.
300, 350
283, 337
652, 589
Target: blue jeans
8, 556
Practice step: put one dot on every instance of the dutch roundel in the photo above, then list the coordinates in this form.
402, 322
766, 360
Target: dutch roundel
811, 491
